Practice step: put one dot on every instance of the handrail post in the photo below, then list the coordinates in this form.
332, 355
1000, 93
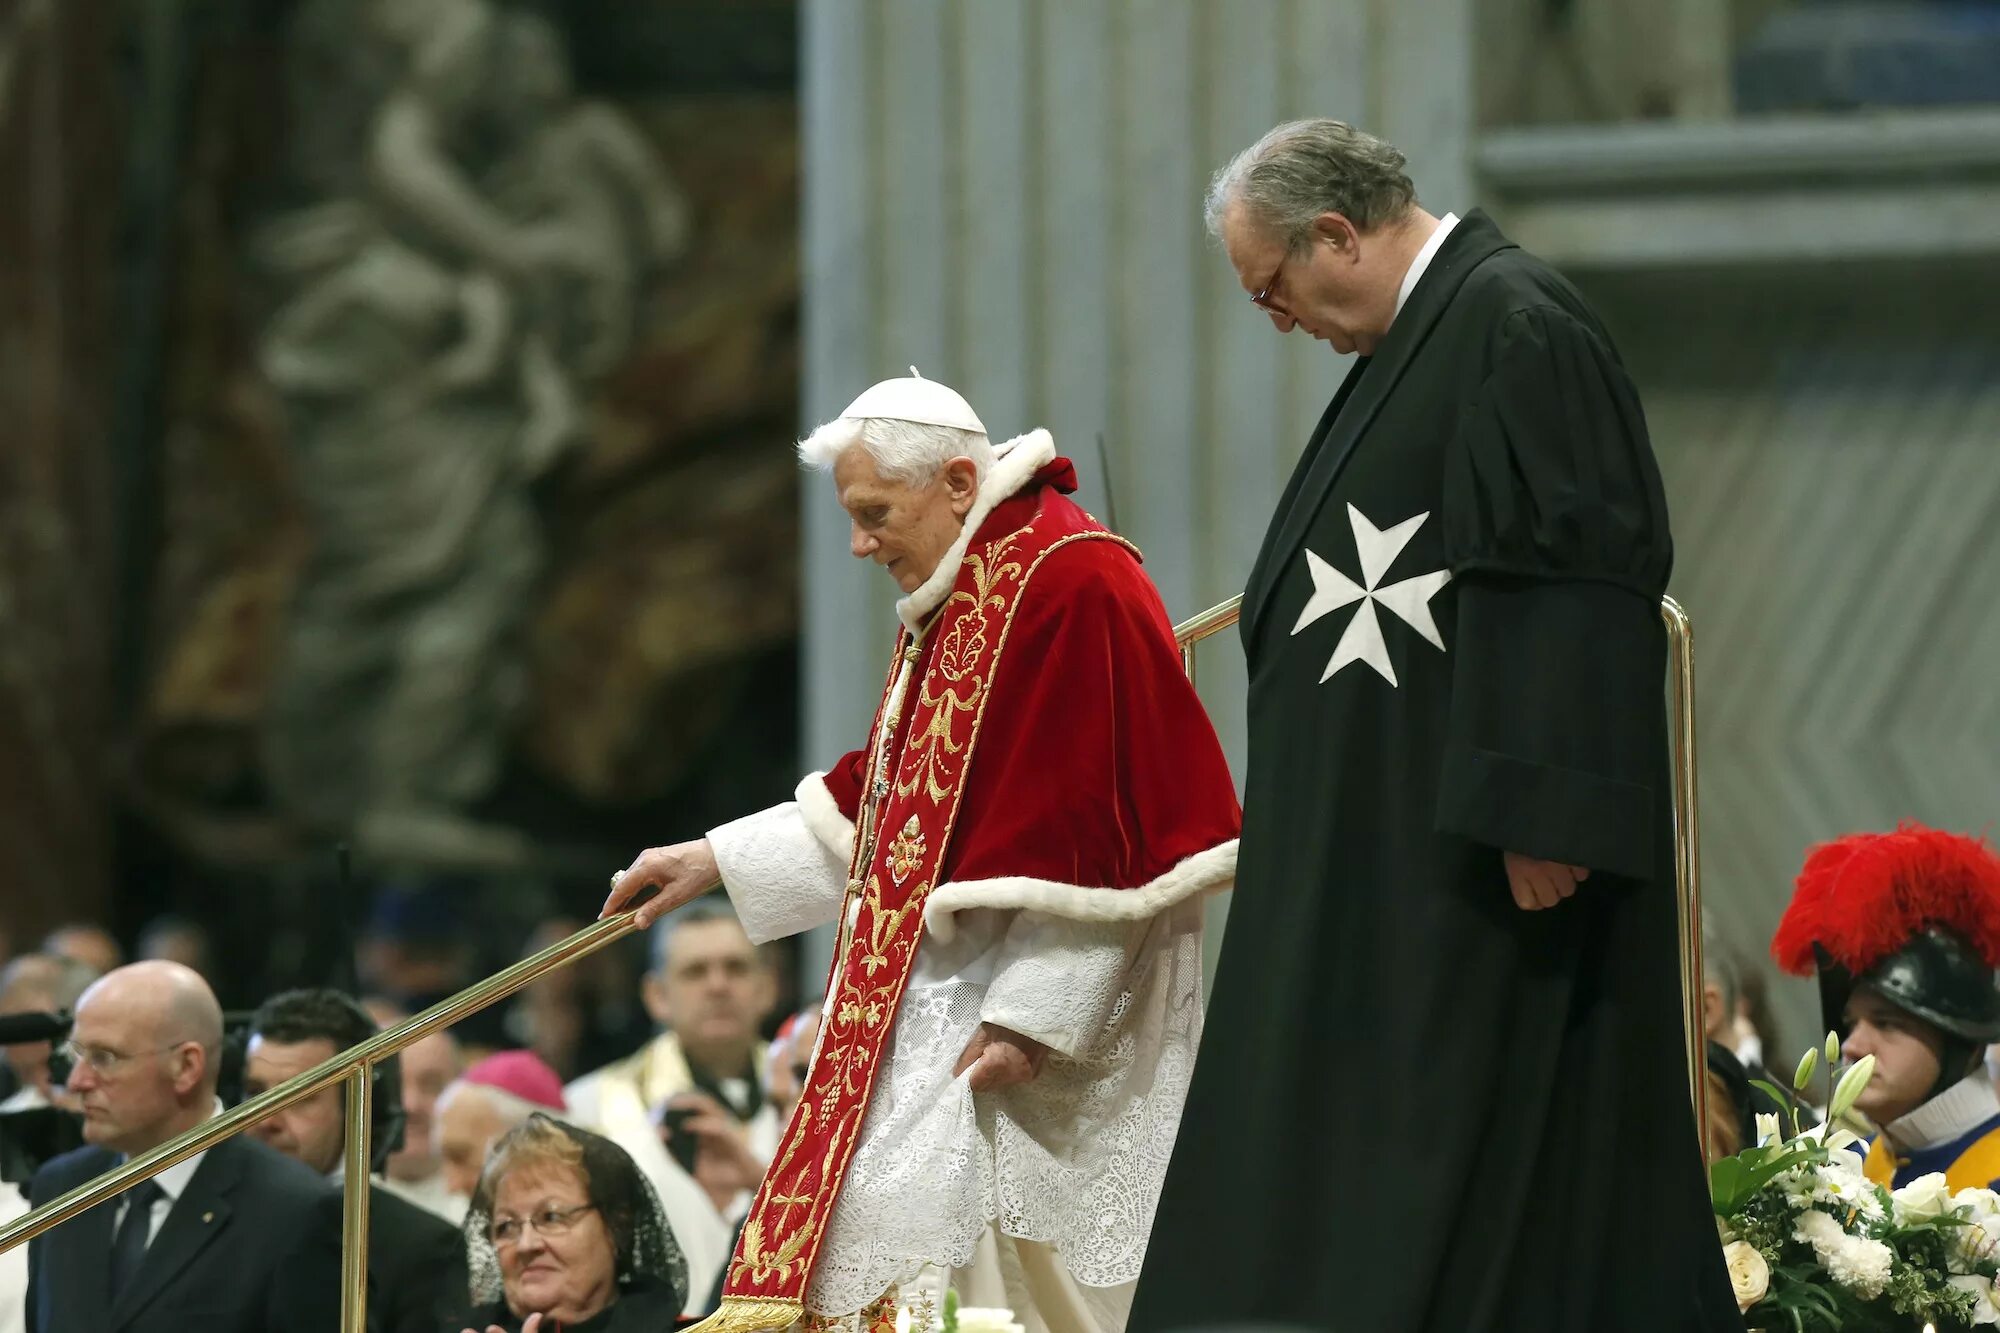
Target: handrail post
1687, 857
354, 1214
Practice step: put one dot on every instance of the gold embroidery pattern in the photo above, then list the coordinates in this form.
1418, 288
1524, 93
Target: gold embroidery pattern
962, 660
906, 851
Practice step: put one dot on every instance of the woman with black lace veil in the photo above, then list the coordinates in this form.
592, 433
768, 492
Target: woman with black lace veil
566, 1236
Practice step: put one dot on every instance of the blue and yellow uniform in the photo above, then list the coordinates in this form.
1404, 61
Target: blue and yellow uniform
1967, 1157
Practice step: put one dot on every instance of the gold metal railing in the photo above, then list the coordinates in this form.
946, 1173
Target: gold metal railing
352, 1067
1687, 823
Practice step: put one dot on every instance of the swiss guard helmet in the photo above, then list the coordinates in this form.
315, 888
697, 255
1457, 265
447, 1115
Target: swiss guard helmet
1913, 915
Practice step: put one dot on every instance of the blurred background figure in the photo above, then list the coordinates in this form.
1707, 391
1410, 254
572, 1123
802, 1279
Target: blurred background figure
416, 1170
493, 1096
415, 947
176, 939
38, 983
789, 1059
579, 1017
414, 1257
88, 944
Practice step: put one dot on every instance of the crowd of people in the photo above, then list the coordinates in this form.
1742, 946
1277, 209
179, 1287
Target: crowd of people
502, 1190
499, 1191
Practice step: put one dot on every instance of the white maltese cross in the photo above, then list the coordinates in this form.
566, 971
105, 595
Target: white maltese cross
1409, 599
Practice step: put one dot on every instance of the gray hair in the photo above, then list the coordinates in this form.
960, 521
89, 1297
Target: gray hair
909, 452
1304, 168
44, 979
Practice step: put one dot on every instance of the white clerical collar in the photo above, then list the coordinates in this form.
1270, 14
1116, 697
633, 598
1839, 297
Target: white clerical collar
1953, 1113
1423, 259
1015, 464
173, 1181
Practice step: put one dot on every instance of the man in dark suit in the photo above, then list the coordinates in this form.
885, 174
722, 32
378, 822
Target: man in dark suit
416, 1262
237, 1239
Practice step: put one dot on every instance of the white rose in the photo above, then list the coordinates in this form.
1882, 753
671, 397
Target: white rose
1986, 1303
986, 1319
1748, 1273
1924, 1199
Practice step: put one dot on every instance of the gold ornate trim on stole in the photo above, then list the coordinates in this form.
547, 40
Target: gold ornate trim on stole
751, 1314
847, 1063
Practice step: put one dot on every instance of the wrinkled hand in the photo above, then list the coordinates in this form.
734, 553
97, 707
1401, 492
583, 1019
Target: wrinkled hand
683, 873
999, 1058
1540, 884
724, 1165
530, 1325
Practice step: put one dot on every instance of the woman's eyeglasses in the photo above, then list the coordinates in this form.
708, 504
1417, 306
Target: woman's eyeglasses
547, 1222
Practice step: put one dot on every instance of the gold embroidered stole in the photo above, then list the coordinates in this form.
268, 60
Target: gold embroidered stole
916, 792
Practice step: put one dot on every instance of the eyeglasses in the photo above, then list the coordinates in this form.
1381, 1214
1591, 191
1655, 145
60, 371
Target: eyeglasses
1263, 299
101, 1059
547, 1222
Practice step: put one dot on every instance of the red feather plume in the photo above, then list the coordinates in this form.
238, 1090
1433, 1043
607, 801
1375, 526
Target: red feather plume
1860, 897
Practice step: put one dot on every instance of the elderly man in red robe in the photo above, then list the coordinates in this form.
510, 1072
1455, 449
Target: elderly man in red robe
1016, 860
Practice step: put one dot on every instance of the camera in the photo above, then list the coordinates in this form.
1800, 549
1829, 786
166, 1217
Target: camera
680, 1144
31, 1137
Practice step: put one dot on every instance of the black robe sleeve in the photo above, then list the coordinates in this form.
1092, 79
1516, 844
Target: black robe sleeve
1555, 528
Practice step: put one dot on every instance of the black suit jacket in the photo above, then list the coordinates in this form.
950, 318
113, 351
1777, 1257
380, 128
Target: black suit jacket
252, 1245
416, 1267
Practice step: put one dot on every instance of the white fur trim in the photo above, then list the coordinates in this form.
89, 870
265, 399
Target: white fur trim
1212, 871
834, 830
1015, 462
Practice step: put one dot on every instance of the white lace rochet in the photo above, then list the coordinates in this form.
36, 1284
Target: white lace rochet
1075, 1158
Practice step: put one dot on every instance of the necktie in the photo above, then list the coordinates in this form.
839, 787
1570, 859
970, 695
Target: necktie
129, 1248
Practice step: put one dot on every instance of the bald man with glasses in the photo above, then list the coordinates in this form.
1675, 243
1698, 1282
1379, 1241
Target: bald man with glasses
237, 1239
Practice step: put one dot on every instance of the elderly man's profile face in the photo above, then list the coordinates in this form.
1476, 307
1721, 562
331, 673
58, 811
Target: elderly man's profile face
1323, 289
903, 528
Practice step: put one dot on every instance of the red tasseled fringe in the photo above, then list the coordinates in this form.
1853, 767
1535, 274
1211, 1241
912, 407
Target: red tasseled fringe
1860, 897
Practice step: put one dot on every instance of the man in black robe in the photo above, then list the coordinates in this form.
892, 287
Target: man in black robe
1456, 833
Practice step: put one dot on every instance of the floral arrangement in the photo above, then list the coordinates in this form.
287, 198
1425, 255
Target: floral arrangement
1813, 1244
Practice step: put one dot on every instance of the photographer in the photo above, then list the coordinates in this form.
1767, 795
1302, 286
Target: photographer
38, 983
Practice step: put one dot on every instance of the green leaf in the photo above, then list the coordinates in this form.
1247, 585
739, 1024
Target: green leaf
1725, 1184
1773, 1091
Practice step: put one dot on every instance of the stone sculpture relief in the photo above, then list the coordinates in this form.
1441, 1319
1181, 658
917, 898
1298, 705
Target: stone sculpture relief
479, 262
